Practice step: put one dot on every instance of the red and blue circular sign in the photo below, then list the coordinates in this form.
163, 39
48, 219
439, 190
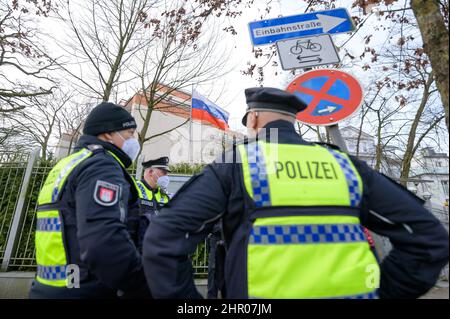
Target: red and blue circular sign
331, 96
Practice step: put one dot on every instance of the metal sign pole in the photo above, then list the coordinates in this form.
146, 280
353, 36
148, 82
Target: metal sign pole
336, 136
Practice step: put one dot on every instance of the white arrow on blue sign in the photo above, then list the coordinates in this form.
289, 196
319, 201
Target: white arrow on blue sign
328, 21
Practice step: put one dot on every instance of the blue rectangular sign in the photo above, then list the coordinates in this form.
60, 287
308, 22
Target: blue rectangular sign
319, 22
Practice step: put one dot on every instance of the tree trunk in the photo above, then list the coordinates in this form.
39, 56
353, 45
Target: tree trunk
44, 149
435, 40
148, 115
410, 146
299, 130
112, 75
358, 141
378, 152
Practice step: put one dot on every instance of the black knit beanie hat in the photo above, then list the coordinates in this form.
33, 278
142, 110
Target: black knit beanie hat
108, 117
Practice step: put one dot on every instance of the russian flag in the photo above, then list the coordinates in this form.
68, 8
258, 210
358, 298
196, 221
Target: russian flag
205, 110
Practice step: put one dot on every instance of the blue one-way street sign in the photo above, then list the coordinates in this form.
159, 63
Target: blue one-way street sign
329, 21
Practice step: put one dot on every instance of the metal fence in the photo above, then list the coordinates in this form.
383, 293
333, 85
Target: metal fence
12, 169
21, 178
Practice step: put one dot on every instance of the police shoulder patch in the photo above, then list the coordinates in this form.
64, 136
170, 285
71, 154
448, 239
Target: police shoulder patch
106, 194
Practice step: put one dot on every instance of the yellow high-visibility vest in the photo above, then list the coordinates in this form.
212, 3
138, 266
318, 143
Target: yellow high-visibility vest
147, 194
305, 239
51, 255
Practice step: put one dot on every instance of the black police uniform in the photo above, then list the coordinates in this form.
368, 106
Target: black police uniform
420, 242
142, 214
95, 235
216, 262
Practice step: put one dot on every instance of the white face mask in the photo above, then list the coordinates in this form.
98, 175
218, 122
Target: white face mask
163, 182
130, 147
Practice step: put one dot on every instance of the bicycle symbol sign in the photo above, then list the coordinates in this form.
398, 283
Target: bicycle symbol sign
305, 45
331, 95
307, 52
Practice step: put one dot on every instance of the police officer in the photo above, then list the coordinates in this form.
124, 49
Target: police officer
153, 195
83, 248
292, 214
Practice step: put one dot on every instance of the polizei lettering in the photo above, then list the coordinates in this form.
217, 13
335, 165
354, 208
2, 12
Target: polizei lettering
306, 170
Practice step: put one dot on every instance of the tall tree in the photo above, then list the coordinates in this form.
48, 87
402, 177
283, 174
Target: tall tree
105, 35
435, 43
24, 63
39, 123
180, 56
102, 39
414, 142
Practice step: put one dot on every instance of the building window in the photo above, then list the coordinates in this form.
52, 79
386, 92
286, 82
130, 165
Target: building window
439, 164
351, 146
364, 148
445, 187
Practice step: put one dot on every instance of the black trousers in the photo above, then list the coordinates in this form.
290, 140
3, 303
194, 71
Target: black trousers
89, 290
216, 263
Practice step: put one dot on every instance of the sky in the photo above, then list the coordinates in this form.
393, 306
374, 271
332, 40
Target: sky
228, 90
233, 99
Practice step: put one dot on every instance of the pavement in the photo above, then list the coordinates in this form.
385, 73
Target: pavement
439, 291
15, 285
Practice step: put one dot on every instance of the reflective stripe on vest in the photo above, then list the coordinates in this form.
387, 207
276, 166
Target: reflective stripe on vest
307, 234
161, 198
144, 193
353, 181
52, 273
147, 194
48, 224
50, 252
305, 256
58, 175
313, 172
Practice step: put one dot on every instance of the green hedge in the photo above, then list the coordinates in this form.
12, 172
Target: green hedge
185, 168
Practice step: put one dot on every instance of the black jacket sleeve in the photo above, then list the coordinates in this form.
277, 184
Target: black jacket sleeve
420, 242
177, 230
105, 245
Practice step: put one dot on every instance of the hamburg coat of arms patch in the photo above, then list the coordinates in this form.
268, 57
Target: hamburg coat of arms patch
106, 194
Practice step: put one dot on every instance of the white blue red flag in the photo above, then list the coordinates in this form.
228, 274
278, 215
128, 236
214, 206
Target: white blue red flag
205, 110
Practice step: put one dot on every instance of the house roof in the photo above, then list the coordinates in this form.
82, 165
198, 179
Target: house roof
429, 152
177, 102
355, 130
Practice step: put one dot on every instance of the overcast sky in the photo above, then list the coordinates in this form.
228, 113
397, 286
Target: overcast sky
233, 99
228, 91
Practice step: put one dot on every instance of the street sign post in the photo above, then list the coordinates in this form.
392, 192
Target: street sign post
331, 96
319, 22
306, 52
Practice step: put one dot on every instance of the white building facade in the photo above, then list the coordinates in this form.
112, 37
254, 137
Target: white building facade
433, 170
171, 132
367, 151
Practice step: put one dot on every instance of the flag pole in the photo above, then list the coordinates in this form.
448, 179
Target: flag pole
191, 155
